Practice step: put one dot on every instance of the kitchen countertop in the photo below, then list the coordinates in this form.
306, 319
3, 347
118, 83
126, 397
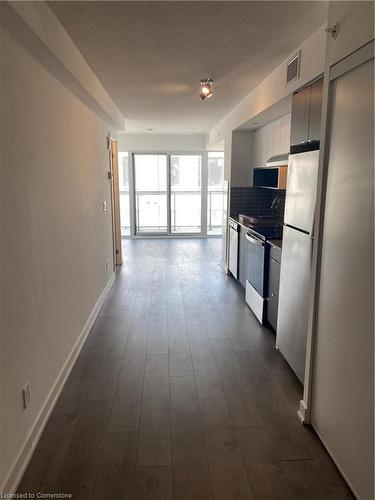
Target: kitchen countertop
276, 243
236, 219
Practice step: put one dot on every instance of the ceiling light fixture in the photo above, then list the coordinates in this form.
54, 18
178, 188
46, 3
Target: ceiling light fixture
206, 88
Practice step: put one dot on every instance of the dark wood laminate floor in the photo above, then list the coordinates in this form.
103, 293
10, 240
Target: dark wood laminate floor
179, 393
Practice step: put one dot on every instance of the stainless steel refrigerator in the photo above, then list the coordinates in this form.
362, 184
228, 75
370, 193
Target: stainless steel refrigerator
296, 259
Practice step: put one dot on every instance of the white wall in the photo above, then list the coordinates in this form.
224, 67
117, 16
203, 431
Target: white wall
356, 27
38, 29
55, 238
161, 142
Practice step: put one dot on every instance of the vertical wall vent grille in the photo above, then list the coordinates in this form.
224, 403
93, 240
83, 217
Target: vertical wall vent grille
292, 69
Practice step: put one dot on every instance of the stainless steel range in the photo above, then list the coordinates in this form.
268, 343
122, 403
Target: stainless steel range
259, 230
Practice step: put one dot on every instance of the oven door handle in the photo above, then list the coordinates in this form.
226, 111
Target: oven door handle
254, 240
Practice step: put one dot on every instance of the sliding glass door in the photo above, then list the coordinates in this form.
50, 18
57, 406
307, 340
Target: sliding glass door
151, 188
172, 193
186, 193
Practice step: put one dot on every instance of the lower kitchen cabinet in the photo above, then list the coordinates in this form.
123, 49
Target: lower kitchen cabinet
273, 285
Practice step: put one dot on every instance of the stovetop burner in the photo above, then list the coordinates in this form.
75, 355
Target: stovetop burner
264, 227
255, 220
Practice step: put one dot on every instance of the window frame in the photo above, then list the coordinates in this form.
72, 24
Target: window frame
204, 194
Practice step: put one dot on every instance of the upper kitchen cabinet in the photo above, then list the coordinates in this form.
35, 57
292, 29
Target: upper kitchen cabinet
316, 98
270, 140
299, 131
306, 117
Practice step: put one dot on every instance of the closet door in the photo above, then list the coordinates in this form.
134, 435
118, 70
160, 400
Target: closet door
343, 373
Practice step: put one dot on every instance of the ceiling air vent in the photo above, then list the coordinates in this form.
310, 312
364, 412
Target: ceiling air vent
292, 69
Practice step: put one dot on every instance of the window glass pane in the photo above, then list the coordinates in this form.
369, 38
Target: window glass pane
186, 171
215, 170
186, 212
123, 172
150, 172
151, 193
152, 212
215, 194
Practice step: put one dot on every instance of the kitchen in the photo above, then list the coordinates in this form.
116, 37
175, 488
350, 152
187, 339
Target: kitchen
271, 229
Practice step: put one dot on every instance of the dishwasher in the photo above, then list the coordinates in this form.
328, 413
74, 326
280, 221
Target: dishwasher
234, 232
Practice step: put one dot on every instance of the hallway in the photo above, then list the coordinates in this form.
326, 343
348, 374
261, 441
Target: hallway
179, 393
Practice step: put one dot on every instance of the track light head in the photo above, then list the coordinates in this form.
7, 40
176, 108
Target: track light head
206, 88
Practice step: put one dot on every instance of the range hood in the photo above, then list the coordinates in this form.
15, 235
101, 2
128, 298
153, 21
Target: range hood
278, 160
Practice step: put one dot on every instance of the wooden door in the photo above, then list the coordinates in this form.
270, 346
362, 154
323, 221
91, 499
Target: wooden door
116, 204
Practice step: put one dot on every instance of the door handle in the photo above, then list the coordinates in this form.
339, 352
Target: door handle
254, 240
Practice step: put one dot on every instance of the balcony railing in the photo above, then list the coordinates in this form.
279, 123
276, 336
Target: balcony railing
185, 221
214, 214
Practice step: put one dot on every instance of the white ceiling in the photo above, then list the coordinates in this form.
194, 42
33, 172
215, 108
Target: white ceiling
279, 109
150, 55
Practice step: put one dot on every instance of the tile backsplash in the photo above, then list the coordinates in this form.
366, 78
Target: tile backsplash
255, 201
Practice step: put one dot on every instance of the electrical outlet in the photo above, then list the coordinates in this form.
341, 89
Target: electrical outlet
26, 396
107, 264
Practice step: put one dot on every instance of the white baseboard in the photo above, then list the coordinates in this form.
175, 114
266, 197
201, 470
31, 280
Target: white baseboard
16, 472
303, 413
225, 267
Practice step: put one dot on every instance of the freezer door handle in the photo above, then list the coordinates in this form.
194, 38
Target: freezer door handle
254, 240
